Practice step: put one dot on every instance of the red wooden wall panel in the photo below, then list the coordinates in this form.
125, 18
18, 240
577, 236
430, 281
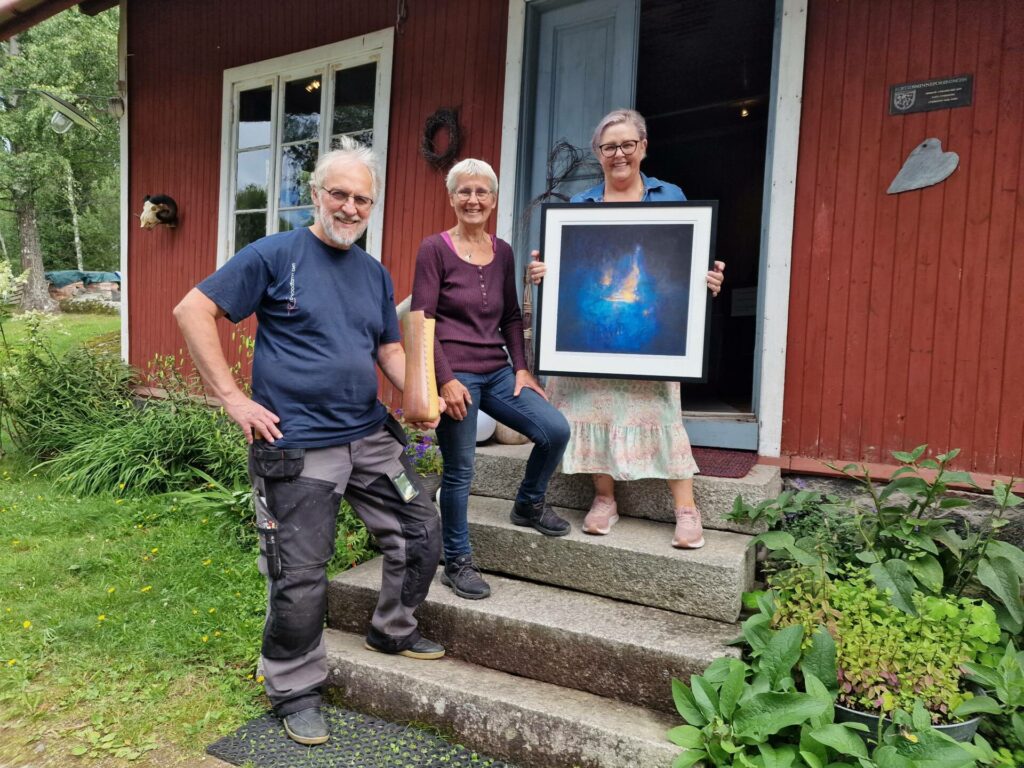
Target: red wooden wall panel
905, 314
449, 53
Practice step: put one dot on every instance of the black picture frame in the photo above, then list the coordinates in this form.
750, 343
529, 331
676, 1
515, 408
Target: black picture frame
625, 294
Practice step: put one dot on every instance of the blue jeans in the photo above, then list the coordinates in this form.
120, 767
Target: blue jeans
529, 414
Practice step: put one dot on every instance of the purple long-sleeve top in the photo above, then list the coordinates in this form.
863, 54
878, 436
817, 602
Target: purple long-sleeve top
475, 307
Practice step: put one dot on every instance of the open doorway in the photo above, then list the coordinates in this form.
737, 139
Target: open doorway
703, 80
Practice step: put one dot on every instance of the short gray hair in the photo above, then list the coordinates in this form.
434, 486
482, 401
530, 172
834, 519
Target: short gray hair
349, 151
470, 167
615, 117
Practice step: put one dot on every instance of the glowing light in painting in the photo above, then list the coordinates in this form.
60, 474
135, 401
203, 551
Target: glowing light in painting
624, 288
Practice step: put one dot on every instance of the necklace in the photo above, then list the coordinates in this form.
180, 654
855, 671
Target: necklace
468, 255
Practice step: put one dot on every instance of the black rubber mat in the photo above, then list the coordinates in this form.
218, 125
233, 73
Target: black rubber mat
357, 741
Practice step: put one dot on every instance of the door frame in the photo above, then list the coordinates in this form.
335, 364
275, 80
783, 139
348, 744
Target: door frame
778, 206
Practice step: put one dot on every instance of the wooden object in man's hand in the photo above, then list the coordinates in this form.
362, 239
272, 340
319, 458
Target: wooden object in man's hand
419, 401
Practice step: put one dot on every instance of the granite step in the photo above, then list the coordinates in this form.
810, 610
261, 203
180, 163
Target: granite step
635, 562
530, 723
610, 648
500, 469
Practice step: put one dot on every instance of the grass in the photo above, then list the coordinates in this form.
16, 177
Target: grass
124, 625
65, 331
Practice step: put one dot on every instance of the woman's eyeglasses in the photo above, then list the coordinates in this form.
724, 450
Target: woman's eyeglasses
465, 194
340, 196
627, 147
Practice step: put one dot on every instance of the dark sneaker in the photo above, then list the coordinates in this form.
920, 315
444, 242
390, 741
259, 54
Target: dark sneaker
307, 726
464, 578
540, 516
421, 649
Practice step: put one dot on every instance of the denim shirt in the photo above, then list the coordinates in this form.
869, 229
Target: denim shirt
655, 191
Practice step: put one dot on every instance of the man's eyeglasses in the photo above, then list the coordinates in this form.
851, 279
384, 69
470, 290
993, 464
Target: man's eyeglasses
340, 196
627, 147
465, 194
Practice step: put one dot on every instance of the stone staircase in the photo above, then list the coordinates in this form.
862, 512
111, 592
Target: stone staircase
569, 662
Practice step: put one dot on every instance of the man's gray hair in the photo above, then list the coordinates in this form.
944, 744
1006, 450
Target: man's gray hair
470, 167
615, 117
349, 151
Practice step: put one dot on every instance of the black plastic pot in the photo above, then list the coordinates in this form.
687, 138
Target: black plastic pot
963, 731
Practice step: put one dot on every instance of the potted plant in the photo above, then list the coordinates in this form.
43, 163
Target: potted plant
888, 659
422, 448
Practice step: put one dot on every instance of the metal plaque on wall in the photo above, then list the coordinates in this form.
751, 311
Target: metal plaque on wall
926, 95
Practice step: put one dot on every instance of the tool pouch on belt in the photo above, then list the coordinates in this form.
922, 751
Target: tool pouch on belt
266, 465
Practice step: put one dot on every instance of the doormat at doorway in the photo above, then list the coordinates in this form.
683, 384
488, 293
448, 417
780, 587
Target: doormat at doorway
357, 741
722, 462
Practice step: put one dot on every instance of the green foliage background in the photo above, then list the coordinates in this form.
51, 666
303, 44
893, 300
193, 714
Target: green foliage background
70, 55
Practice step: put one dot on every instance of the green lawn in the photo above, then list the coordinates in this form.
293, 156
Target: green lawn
65, 331
124, 625
127, 625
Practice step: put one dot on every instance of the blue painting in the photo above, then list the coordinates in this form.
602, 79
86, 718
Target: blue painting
624, 288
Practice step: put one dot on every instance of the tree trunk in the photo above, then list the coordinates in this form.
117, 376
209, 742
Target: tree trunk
74, 218
3, 245
36, 295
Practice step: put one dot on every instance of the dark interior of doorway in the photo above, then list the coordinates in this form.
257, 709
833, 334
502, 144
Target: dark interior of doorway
703, 80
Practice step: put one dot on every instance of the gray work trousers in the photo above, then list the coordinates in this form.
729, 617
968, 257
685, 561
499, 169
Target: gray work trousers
297, 519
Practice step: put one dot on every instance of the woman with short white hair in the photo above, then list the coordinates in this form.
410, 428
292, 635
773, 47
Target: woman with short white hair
465, 279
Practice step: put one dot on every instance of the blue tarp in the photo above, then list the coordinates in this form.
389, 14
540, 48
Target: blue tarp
61, 277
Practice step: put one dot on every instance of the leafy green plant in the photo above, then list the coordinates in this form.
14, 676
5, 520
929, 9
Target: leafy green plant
887, 659
1002, 677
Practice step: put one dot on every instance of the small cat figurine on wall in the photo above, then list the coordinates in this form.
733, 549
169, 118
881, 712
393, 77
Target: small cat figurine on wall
158, 209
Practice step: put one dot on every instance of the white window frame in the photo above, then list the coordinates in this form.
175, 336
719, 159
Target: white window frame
376, 47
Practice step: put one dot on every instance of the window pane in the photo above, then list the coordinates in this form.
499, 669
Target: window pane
287, 220
251, 179
248, 228
297, 163
254, 117
353, 98
302, 109
363, 137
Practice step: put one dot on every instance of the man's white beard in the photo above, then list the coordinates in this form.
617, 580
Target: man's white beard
327, 222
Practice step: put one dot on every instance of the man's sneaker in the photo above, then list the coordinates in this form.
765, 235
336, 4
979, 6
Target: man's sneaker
689, 532
421, 649
539, 515
464, 578
307, 726
602, 516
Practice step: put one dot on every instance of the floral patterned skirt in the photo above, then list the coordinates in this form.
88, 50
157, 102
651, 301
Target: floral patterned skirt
624, 428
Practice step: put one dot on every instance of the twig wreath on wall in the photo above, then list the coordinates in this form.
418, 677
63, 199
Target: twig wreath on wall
445, 118
625, 293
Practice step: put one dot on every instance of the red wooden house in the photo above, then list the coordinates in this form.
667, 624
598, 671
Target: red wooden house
853, 323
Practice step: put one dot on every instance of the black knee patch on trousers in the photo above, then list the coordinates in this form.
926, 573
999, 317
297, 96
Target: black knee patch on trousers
421, 530
305, 511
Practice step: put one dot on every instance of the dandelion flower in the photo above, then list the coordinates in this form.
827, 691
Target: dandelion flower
111, 590
260, 678
119, 501
101, 617
121, 486
154, 550
204, 520
146, 588
207, 561
194, 612
206, 638
11, 662
15, 542
217, 633
212, 610
26, 624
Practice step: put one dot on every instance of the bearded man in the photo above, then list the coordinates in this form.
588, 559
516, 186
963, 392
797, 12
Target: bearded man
317, 431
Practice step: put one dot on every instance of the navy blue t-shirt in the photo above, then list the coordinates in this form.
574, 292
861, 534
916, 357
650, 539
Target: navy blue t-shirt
323, 312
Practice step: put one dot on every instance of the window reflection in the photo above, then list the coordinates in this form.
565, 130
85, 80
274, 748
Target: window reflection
353, 99
254, 117
302, 109
294, 219
251, 179
297, 163
249, 227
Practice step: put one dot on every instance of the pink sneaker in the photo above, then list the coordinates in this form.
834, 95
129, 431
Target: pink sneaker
602, 516
689, 531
